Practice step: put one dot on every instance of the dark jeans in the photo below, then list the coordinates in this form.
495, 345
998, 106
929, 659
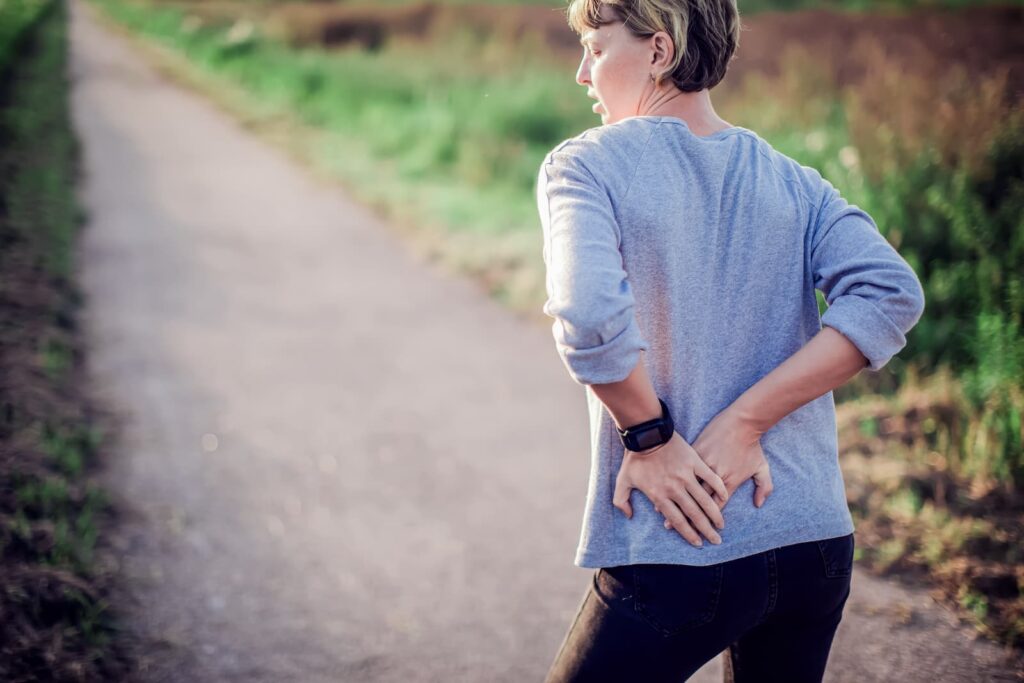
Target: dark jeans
776, 612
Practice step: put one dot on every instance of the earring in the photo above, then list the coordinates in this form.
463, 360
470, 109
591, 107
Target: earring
652, 78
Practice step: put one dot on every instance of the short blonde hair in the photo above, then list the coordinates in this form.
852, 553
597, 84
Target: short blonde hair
705, 33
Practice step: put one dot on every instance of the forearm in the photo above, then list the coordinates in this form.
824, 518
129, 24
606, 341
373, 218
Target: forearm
631, 401
828, 361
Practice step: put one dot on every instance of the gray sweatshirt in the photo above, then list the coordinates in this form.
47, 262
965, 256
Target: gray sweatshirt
705, 253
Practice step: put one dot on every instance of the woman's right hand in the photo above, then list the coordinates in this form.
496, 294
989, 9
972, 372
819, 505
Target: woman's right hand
732, 448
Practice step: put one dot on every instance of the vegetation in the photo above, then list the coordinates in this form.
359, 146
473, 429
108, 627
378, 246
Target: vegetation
449, 141
19, 17
53, 618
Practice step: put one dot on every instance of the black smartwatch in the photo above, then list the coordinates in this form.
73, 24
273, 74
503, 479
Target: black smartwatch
648, 434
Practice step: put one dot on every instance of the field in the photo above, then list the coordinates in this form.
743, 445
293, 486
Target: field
439, 116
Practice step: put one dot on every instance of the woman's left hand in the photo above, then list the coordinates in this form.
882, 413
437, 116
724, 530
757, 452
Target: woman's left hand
670, 476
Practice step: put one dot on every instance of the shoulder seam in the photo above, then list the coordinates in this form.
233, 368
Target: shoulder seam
583, 163
639, 158
565, 142
790, 181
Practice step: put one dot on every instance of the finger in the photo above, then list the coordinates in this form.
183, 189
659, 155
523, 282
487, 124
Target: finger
695, 515
620, 498
704, 471
764, 486
674, 519
704, 500
714, 494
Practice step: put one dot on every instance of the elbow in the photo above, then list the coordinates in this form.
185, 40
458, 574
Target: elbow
874, 301
585, 325
602, 365
907, 308
598, 351
876, 327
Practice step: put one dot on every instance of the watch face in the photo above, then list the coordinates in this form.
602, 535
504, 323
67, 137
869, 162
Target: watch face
649, 438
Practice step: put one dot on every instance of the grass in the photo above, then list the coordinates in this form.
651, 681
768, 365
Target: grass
921, 508
447, 142
56, 624
19, 17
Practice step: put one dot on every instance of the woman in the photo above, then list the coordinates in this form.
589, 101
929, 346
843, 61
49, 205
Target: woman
682, 256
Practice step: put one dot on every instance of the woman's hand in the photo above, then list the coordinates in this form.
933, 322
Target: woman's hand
668, 476
732, 448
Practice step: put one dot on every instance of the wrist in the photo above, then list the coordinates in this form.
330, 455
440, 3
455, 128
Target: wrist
647, 436
636, 413
744, 415
651, 451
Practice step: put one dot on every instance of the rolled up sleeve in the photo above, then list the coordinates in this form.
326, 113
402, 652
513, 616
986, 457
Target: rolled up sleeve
588, 292
874, 297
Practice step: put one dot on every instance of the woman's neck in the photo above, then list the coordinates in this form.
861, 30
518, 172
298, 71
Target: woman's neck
692, 107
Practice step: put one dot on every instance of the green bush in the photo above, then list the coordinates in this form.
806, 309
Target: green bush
17, 17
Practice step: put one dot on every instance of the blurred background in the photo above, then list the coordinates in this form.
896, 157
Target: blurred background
437, 115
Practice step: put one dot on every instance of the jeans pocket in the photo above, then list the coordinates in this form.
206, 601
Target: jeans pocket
837, 556
614, 586
674, 597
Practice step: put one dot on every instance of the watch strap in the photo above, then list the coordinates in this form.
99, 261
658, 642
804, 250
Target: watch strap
646, 435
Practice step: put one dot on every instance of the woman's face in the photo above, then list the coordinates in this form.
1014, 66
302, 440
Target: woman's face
616, 69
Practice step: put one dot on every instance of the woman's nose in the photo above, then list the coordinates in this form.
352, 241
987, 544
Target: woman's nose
583, 73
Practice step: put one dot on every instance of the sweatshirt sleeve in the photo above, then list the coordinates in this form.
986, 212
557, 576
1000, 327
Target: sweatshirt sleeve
588, 293
874, 297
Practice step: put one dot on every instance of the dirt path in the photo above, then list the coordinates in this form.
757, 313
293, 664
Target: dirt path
289, 378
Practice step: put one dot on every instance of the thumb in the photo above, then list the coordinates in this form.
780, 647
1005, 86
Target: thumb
763, 484
620, 498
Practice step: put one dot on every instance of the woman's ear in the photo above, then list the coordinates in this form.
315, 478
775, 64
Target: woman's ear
664, 50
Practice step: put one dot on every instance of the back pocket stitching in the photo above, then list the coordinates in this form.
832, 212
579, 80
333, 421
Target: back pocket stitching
704, 618
831, 571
